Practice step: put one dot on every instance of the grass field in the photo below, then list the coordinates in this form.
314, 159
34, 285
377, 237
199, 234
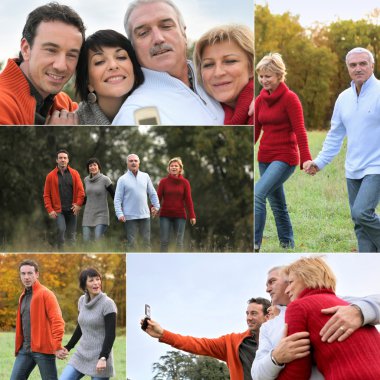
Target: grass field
318, 208
7, 357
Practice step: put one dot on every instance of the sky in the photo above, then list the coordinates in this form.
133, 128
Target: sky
205, 295
324, 11
199, 15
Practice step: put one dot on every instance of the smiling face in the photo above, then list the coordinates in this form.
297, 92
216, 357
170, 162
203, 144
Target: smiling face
175, 168
93, 168
133, 163
255, 316
276, 285
359, 67
93, 286
28, 275
62, 160
225, 71
110, 73
295, 286
50, 62
159, 42
269, 80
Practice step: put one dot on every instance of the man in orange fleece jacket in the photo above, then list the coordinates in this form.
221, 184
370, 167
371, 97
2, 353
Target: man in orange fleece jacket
237, 349
39, 327
64, 197
30, 86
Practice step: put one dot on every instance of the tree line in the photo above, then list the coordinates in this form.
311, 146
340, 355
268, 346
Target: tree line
60, 273
315, 56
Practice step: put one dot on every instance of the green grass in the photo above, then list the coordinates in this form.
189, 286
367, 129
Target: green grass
318, 207
7, 357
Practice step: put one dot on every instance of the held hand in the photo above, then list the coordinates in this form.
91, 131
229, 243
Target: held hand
62, 353
122, 219
251, 110
53, 215
292, 347
310, 167
101, 365
342, 324
62, 117
193, 221
75, 209
154, 211
153, 329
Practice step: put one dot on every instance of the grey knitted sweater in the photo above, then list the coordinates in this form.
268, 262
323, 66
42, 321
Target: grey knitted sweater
96, 208
91, 114
91, 321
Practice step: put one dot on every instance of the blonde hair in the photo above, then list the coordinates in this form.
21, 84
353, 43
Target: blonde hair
176, 159
272, 62
313, 271
240, 34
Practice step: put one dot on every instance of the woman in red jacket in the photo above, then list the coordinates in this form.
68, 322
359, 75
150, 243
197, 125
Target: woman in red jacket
174, 193
311, 287
223, 57
283, 145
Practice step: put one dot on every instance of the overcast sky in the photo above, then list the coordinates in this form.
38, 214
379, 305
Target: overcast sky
199, 15
324, 11
205, 295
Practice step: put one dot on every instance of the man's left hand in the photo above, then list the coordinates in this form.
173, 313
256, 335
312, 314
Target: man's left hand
75, 209
342, 324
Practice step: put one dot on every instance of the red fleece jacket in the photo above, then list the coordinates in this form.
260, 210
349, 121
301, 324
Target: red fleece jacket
17, 105
51, 191
355, 358
225, 348
279, 115
174, 193
46, 322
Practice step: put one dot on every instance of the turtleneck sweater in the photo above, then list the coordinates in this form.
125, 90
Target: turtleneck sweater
279, 116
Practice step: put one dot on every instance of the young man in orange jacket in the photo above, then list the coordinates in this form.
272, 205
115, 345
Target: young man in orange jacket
64, 197
30, 86
39, 327
237, 349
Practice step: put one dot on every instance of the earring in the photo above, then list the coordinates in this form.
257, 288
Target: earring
91, 97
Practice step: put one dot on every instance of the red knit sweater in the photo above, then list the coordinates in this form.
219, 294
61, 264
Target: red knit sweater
239, 114
279, 115
174, 194
47, 324
52, 199
356, 358
17, 105
225, 348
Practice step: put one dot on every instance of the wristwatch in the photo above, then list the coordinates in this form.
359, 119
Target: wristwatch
274, 361
103, 358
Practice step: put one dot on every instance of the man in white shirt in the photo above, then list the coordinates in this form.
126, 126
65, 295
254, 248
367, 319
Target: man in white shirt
158, 33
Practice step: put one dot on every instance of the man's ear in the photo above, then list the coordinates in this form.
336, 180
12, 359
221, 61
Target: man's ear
25, 49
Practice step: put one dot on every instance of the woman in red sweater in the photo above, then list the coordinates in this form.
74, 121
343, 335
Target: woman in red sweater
174, 193
311, 287
283, 145
223, 57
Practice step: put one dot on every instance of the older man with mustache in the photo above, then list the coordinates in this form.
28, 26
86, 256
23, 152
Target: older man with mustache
157, 31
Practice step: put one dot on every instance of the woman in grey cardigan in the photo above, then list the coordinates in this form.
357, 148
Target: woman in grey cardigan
96, 217
95, 331
107, 72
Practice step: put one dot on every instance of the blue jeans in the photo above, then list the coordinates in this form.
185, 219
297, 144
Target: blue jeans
364, 196
178, 225
66, 225
134, 226
26, 361
98, 231
270, 185
70, 373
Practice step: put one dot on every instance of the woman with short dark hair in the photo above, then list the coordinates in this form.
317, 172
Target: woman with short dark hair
95, 331
107, 72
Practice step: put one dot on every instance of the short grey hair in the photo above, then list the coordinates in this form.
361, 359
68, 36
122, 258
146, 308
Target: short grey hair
136, 3
133, 154
359, 50
277, 268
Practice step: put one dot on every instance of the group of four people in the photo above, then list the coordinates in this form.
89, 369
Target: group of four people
117, 77
64, 195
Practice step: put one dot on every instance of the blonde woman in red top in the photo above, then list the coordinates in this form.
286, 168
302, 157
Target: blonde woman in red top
284, 145
174, 193
311, 288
